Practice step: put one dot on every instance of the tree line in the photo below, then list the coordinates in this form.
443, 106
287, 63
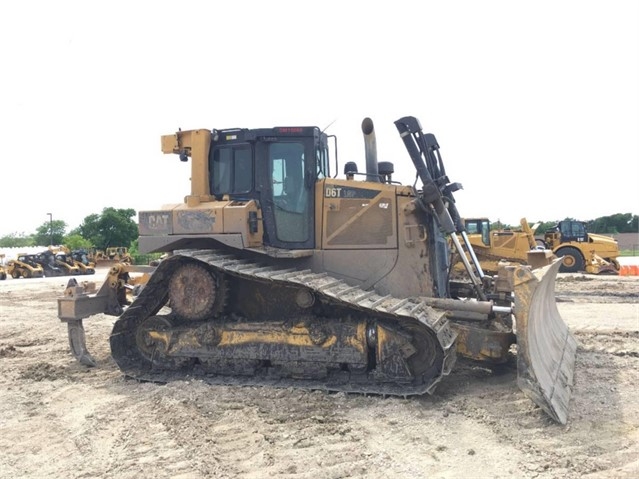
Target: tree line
117, 227
111, 227
605, 225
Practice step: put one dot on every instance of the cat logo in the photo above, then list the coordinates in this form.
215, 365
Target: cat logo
158, 221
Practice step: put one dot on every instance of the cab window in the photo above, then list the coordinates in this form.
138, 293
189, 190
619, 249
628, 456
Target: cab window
321, 158
231, 170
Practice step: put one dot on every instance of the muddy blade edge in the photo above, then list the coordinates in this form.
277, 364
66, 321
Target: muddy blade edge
545, 348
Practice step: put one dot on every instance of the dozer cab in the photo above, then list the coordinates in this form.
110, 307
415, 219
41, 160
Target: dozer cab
582, 251
280, 273
24, 266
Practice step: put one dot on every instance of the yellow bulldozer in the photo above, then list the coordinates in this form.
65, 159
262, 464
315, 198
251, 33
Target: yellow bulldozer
111, 255
579, 251
279, 273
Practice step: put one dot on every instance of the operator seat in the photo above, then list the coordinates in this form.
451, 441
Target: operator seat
292, 190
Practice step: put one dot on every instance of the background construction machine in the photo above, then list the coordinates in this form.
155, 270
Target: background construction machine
580, 251
3, 271
281, 274
110, 256
25, 266
50, 265
72, 262
491, 246
81, 259
62, 259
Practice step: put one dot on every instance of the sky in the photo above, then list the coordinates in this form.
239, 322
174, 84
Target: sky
535, 105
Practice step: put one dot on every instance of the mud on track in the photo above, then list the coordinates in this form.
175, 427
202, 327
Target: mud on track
60, 419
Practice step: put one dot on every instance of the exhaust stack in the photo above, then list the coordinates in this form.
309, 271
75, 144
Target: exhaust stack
370, 148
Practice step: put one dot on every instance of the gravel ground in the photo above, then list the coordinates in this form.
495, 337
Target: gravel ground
60, 419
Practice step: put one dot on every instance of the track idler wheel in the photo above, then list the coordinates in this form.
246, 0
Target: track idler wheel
196, 293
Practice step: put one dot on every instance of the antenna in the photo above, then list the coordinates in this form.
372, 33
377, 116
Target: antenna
329, 125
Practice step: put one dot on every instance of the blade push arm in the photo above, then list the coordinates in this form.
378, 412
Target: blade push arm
424, 152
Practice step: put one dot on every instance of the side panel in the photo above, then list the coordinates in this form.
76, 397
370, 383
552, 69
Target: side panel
604, 246
365, 268
418, 254
371, 235
358, 215
206, 217
244, 218
212, 218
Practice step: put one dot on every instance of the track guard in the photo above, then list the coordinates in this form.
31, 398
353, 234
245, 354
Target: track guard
545, 348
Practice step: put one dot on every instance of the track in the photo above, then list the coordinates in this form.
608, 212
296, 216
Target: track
341, 312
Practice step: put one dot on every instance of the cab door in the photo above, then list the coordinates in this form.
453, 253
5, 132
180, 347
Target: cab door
288, 205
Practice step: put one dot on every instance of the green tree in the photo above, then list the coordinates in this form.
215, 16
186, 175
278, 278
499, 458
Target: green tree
545, 226
76, 241
134, 248
613, 224
15, 240
50, 233
113, 227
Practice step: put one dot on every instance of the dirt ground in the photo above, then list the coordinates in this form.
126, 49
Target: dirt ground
62, 420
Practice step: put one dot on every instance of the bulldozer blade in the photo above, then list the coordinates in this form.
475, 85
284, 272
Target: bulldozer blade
545, 348
77, 342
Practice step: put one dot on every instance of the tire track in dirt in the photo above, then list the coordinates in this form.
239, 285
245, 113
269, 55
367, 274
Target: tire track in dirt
598, 438
141, 447
264, 429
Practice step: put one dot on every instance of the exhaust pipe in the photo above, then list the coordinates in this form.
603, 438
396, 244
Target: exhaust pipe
370, 146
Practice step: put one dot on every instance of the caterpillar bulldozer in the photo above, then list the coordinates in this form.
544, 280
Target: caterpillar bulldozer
25, 266
280, 273
110, 256
117, 254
